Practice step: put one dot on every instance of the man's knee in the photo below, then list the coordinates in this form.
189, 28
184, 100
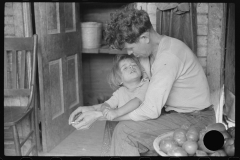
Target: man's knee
123, 128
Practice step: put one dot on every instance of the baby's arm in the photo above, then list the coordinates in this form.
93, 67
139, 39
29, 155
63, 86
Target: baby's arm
104, 106
127, 108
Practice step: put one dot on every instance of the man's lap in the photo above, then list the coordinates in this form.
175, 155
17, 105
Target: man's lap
144, 132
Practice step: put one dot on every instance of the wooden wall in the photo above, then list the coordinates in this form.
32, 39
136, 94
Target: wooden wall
216, 51
95, 70
96, 66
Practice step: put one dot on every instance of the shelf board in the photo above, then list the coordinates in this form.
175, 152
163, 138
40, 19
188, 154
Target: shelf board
103, 49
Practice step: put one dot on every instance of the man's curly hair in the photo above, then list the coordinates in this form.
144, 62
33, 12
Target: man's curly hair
126, 25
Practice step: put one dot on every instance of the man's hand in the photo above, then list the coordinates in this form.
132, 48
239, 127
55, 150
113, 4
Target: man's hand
86, 119
110, 114
77, 113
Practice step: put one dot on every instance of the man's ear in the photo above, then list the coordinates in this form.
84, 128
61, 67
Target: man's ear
145, 37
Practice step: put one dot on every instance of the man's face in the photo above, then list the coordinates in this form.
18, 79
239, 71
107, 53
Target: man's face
138, 49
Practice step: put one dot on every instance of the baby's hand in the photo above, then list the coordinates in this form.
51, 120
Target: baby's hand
110, 114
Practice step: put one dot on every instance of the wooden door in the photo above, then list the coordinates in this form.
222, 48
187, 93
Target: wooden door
60, 69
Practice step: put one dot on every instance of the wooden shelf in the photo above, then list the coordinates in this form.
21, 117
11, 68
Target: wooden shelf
103, 49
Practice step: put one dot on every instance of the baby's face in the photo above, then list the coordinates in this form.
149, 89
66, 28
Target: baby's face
130, 70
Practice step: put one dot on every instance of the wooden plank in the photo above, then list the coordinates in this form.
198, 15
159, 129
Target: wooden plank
112, 51
22, 73
18, 19
14, 69
216, 39
170, 23
5, 69
98, 12
159, 21
193, 19
103, 49
18, 43
229, 80
27, 19
95, 70
95, 50
16, 92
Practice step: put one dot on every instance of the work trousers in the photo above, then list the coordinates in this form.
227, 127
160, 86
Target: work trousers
132, 138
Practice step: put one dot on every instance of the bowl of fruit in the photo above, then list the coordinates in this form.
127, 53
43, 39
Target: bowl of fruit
188, 141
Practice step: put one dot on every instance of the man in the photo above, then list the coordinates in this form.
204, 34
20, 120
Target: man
178, 91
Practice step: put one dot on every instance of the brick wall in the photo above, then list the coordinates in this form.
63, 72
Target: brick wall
202, 27
8, 20
202, 33
14, 20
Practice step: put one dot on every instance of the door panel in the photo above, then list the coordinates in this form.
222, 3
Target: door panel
70, 23
56, 86
73, 92
60, 70
53, 20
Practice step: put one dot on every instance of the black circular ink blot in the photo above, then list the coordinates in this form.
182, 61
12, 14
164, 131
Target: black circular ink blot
213, 140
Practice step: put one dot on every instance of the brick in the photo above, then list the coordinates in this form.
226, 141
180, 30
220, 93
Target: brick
142, 6
202, 51
8, 20
138, 6
151, 8
153, 18
8, 4
202, 30
201, 41
202, 19
202, 8
202, 61
8, 10
9, 30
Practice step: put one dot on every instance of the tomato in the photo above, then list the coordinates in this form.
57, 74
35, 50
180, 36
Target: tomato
192, 134
167, 144
225, 134
219, 153
177, 151
231, 131
216, 126
201, 153
179, 136
190, 147
202, 134
229, 147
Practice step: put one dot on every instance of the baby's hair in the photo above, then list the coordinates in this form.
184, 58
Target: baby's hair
114, 77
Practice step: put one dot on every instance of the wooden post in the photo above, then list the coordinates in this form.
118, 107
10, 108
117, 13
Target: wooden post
215, 57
